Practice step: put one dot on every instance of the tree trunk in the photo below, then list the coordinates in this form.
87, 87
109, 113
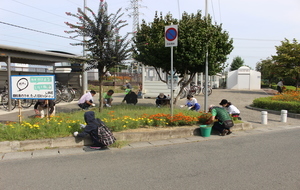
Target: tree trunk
100, 93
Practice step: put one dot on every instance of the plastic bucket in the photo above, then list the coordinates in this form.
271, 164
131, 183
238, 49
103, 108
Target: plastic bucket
205, 131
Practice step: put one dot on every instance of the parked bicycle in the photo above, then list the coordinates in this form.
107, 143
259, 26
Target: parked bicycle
25, 103
63, 93
194, 89
197, 89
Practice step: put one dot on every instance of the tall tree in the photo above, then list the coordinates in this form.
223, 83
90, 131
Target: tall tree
287, 60
267, 70
105, 47
237, 62
196, 35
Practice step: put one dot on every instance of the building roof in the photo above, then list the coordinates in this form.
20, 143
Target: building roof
35, 57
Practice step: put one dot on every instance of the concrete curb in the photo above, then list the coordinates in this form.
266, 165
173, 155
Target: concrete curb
154, 134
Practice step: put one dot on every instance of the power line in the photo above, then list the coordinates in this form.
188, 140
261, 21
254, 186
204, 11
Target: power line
31, 17
38, 31
213, 10
31, 40
220, 11
41, 9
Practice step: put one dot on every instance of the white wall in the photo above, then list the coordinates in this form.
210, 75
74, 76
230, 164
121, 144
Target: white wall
244, 79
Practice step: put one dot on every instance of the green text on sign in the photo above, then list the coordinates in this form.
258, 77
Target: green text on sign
43, 87
40, 79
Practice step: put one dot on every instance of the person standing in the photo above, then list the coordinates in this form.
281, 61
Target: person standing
42, 105
107, 98
86, 100
224, 121
279, 86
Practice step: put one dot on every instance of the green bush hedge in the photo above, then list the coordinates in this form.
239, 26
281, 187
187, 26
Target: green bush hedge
268, 103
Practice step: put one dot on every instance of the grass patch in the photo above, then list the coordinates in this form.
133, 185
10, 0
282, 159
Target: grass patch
119, 144
118, 118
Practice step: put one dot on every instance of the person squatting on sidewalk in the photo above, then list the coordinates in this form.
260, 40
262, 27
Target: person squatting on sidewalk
224, 122
91, 129
86, 100
41, 105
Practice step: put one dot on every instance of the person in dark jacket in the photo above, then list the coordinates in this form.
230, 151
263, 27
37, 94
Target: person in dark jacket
161, 100
41, 105
91, 129
130, 98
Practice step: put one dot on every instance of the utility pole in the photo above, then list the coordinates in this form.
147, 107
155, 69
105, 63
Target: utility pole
84, 73
206, 68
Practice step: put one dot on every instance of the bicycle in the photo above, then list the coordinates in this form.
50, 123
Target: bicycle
196, 89
25, 103
63, 93
209, 90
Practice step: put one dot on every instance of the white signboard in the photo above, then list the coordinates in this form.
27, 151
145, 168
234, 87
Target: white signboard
32, 87
175, 82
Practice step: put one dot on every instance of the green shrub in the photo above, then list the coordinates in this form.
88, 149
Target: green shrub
268, 103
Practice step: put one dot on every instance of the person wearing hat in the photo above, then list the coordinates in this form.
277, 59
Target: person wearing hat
128, 87
224, 121
231, 109
161, 100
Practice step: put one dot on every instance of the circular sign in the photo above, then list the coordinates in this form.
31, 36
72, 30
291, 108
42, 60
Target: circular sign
171, 34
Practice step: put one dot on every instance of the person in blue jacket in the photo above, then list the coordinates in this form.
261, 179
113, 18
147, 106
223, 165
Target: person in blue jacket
192, 103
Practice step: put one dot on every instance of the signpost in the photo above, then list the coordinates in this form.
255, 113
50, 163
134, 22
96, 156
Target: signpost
171, 36
175, 82
32, 87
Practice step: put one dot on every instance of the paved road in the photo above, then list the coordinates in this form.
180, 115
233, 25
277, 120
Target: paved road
266, 160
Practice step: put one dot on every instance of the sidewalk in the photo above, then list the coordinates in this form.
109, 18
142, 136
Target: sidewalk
63, 151
239, 98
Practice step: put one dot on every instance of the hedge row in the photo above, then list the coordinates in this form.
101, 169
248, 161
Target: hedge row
268, 103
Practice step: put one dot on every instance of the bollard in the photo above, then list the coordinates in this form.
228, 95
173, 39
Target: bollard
264, 117
284, 116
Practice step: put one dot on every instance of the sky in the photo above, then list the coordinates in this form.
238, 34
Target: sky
256, 26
